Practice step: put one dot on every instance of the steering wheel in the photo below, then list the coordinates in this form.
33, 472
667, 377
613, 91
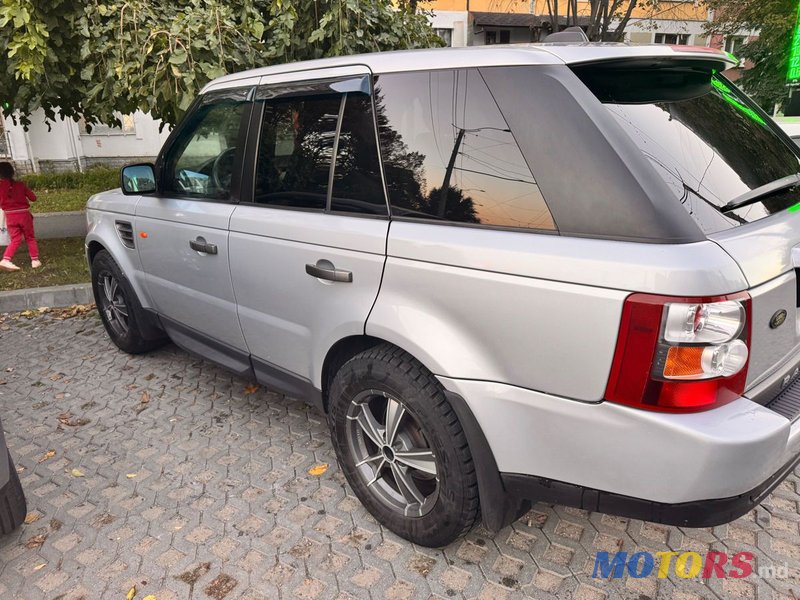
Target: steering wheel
222, 181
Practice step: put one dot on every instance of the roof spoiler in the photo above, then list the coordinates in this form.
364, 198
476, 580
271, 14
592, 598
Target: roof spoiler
570, 35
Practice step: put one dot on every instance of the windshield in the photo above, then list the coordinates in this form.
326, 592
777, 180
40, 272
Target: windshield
709, 143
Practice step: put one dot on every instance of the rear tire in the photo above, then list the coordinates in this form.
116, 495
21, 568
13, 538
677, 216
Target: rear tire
402, 447
13, 507
120, 309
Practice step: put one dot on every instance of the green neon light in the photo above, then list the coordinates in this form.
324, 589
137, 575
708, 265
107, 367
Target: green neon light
727, 94
794, 208
794, 56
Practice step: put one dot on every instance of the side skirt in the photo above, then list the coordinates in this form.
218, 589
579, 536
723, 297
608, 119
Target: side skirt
241, 363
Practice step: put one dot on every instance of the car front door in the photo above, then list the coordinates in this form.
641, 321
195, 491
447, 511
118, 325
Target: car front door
183, 230
308, 248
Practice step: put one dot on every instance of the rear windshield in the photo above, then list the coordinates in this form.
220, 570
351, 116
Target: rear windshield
705, 138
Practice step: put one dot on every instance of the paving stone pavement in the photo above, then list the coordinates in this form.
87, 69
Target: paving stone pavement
195, 486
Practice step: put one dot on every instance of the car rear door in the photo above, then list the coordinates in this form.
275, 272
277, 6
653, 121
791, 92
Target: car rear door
183, 230
308, 240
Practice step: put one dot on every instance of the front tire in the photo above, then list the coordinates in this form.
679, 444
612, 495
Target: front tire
402, 447
119, 308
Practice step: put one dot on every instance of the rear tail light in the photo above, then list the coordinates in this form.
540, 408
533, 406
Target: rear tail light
681, 354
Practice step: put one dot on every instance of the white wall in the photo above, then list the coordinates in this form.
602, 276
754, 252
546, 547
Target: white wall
54, 140
145, 141
458, 21
16, 137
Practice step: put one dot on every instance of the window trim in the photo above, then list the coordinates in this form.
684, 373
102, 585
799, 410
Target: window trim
299, 89
234, 194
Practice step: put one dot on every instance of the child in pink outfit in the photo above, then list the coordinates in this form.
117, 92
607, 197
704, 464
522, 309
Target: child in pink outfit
15, 199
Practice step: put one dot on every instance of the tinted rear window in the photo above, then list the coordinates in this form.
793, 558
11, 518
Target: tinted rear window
704, 137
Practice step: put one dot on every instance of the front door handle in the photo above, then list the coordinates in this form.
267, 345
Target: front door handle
200, 245
324, 269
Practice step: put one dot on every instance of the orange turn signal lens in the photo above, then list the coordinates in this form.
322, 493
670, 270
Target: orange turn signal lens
684, 362
143, 234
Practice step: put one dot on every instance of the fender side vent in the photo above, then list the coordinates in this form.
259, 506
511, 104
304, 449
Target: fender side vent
125, 232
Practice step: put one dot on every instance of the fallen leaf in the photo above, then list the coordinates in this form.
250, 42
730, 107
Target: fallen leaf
44, 309
145, 398
32, 517
47, 456
131, 475
36, 541
20, 469
70, 421
250, 389
77, 473
39, 567
149, 597
318, 470
131, 593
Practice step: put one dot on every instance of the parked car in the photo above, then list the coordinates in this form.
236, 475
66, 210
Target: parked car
791, 125
12, 499
563, 273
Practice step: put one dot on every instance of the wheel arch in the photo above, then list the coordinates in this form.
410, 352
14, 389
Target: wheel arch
498, 508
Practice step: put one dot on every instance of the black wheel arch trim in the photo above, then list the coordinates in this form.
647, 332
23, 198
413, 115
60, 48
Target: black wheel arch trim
498, 507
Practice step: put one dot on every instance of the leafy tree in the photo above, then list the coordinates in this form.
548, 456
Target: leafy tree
607, 18
775, 19
95, 58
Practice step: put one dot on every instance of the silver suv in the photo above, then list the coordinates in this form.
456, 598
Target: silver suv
562, 273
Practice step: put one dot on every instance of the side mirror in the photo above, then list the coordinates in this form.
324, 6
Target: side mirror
138, 179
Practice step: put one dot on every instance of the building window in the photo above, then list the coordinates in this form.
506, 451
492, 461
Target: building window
502, 36
734, 43
446, 34
674, 39
128, 127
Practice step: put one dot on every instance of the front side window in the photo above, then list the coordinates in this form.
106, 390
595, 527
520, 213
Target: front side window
201, 161
449, 154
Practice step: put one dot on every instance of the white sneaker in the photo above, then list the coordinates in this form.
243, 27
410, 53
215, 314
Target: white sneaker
7, 265
36, 263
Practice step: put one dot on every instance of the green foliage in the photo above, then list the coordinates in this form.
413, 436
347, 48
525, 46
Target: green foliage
766, 81
69, 191
98, 57
99, 178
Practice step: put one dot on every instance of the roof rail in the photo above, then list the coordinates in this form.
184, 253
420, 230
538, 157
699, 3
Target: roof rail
570, 35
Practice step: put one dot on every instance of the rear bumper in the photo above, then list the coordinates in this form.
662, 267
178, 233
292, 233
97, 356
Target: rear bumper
701, 513
637, 457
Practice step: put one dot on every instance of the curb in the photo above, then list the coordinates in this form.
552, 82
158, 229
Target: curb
58, 225
52, 297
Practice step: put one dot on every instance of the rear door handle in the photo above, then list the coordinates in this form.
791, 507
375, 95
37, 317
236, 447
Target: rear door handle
200, 245
324, 269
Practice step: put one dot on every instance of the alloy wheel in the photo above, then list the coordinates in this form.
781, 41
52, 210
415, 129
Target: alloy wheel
113, 304
392, 454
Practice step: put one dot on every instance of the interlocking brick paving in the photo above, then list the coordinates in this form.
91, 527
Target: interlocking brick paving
171, 475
